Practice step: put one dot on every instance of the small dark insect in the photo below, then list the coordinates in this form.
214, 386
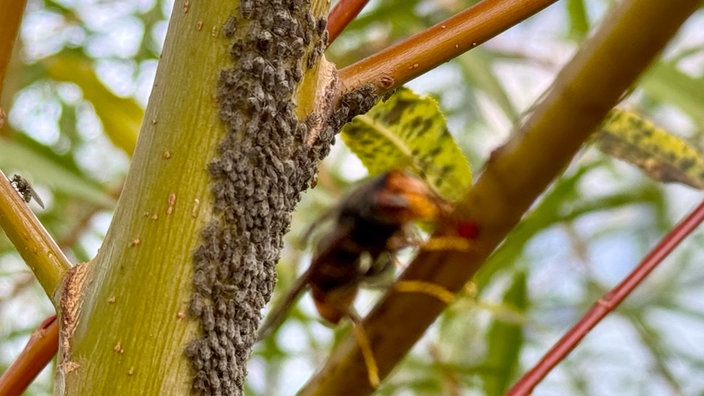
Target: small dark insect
230, 27
247, 9
369, 226
25, 189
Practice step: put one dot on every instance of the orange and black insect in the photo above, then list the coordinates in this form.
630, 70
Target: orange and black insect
369, 226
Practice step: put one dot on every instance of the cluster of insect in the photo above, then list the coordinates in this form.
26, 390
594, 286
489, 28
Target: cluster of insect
370, 225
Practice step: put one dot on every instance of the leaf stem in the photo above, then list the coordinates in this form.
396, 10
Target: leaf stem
400, 63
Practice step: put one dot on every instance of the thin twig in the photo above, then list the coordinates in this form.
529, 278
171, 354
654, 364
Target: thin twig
33, 243
11, 17
341, 16
400, 63
48, 263
37, 248
607, 304
40, 349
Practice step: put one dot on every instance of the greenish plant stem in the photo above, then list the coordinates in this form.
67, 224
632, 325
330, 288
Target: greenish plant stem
515, 175
126, 326
42, 255
127, 319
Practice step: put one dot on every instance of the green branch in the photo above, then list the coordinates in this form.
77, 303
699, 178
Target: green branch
42, 255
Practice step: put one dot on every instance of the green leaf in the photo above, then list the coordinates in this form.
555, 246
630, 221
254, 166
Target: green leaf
409, 132
47, 170
504, 341
476, 68
578, 18
663, 156
665, 82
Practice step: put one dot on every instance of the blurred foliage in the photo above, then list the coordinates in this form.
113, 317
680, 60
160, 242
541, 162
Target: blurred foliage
504, 339
83, 72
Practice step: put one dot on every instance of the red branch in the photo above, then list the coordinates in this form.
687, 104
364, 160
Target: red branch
341, 16
40, 349
607, 303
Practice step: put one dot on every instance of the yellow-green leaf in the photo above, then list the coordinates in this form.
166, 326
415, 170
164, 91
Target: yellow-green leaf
663, 156
408, 131
121, 117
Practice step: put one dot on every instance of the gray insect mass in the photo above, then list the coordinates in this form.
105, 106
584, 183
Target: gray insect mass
263, 165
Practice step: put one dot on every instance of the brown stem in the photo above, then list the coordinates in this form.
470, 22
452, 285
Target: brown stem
341, 16
607, 304
424, 51
516, 174
11, 17
40, 349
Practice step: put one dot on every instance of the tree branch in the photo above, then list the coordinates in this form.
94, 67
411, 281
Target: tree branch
228, 143
40, 349
341, 16
400, 63
37, 248
514, 177
11, 17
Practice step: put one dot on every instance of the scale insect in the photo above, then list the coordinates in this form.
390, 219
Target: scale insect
25, 189
370, 225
